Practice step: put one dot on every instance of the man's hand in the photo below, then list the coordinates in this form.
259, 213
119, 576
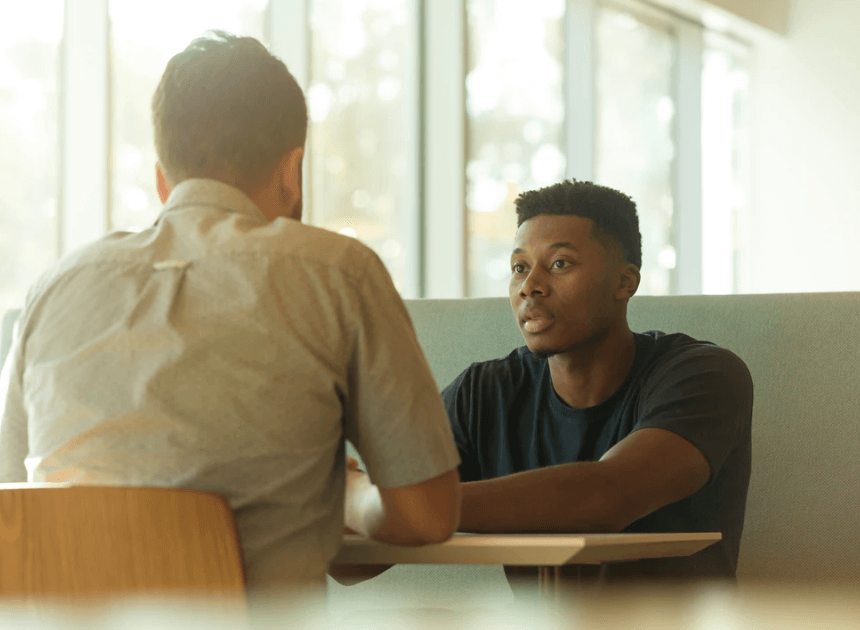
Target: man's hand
363, 508
349, 574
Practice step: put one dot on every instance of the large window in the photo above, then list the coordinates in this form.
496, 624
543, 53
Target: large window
427, 119
30, 36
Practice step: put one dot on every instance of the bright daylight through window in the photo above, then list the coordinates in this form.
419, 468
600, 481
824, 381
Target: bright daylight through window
30, 37
725, 161
635, 143
362, 107
515, 114
514, 120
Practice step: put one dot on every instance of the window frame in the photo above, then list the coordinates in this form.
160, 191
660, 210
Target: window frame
437, 227
84, 125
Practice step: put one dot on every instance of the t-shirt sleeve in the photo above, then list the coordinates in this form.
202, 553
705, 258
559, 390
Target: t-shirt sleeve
394, 414
705, 395
458, 404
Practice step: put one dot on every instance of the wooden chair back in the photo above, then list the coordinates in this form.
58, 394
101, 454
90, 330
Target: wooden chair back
78, 542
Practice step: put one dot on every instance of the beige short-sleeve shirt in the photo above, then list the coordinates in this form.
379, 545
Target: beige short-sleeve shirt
222, 352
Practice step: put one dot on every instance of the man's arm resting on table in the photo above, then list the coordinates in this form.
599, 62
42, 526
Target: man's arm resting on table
419, 514
647, 470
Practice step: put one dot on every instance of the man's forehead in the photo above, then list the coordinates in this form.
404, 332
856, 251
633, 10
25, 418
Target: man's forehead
553, 231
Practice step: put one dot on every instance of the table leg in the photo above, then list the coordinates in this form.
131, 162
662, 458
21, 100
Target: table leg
554, 586
553, 583
549, 579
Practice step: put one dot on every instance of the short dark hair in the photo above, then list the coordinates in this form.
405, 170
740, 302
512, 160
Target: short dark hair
226, 108
613, 212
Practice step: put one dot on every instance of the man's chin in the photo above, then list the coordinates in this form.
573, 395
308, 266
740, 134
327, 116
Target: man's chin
542, 354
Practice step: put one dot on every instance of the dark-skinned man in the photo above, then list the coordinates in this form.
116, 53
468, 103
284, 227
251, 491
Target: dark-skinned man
591, 427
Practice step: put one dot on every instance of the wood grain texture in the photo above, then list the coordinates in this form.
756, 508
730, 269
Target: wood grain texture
88, 541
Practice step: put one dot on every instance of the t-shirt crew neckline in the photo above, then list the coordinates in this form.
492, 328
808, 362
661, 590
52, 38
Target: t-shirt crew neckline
597, 412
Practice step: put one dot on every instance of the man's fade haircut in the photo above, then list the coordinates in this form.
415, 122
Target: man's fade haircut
227, 109
613, 212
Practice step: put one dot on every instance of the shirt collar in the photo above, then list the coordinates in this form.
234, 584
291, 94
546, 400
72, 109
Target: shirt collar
212, 193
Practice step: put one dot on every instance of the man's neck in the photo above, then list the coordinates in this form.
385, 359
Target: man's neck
586, 377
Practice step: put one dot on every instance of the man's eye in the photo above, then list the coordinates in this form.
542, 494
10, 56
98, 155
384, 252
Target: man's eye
563, 263
514, 268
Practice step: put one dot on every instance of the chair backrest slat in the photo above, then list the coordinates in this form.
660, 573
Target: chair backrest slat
78, 541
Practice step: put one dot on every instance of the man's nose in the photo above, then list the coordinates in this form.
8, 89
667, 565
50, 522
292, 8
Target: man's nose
533, 283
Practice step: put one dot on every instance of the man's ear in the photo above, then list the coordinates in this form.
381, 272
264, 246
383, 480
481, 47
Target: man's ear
291, 181
161, 184
292, 173
629, 284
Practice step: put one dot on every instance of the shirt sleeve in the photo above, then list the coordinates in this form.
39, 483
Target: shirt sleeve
394, 415
14, 445
457, 400
705, 395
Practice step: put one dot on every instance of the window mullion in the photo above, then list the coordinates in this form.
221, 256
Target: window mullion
413, 219
580, 93
444, 148
288, 38
85, 124
688, 162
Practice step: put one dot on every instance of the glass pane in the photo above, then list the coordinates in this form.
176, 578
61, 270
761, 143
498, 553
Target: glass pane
362, 106
635, 150
515, 109
30, 35
144, 36
725, 161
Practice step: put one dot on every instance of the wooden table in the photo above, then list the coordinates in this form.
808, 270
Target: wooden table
548, 552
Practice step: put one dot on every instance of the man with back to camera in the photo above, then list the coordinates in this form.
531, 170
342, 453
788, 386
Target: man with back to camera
591, 427
230, 348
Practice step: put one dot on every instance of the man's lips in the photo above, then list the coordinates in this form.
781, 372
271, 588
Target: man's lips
535, 326
535, 321
534, 313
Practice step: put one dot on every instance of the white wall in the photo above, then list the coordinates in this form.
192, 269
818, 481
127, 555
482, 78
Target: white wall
771, 14
805, 188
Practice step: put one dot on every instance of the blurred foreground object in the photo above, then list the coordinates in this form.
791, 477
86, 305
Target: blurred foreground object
706, 607
717, 607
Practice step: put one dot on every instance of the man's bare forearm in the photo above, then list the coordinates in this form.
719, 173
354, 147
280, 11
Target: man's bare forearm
419, 514
366, 515
566, 498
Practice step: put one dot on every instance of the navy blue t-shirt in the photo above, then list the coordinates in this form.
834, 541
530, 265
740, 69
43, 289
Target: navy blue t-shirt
507, 418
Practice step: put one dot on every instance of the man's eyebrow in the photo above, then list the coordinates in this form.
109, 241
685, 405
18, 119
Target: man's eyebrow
564, 245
